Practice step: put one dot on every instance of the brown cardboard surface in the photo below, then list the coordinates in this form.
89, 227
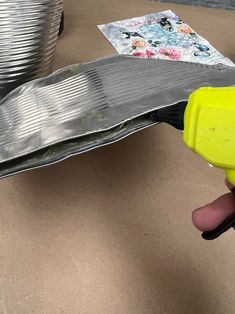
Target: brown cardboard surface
110, 231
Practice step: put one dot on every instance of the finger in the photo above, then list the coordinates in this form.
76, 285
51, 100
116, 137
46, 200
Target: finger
212, 215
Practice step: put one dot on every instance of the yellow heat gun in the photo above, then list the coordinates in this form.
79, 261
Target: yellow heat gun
208, 121
209, 127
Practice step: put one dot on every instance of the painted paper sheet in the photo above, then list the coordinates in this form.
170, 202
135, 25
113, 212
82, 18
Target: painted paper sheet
162, 36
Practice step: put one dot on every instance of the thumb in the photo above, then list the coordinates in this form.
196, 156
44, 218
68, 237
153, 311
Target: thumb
212, 215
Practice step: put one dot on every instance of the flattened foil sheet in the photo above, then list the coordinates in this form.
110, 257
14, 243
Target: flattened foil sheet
85, 106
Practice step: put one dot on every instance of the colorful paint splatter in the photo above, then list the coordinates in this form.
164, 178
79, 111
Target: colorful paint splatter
161, 35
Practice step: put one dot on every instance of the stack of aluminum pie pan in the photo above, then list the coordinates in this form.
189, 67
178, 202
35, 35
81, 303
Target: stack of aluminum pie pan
28, 35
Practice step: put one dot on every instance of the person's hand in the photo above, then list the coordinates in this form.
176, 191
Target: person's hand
209, 217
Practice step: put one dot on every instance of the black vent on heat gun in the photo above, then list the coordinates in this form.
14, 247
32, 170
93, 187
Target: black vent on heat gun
173, 115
